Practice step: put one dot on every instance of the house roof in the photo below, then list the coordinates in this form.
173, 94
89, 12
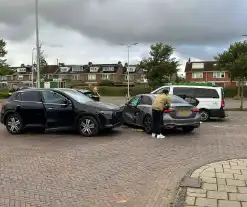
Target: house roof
208, 66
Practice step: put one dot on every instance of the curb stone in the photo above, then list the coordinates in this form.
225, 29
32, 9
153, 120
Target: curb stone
180, 196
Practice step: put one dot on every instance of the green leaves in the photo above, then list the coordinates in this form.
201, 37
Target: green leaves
234, 60
160, 65
3, 50
4, 68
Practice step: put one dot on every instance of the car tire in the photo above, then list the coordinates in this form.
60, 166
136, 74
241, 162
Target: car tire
147, 124
188, 129
14, 124
88, 126
204, 115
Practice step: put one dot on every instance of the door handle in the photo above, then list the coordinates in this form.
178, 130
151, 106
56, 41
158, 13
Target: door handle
50, 108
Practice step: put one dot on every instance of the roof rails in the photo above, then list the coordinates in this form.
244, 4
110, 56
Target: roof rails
193, 84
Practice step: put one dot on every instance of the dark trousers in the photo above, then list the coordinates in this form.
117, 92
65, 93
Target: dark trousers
157, 122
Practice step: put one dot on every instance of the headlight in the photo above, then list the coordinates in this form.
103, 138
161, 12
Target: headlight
106, 113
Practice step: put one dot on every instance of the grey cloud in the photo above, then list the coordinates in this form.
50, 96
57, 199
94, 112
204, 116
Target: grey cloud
190, 22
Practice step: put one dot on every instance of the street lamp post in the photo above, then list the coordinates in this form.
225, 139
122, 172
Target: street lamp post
37, 43
128, 72
33, 66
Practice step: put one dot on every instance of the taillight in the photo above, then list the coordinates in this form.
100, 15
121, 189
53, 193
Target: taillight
222, 103
168, 110
3, 105
196, 110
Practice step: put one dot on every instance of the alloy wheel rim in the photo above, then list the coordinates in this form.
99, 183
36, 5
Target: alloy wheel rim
204, 116
87, 126
14, 124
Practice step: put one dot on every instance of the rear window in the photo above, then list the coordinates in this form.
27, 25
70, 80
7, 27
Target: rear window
15, 97
205, 93
176, 99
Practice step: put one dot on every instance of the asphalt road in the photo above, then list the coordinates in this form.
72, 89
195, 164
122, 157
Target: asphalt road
123, 168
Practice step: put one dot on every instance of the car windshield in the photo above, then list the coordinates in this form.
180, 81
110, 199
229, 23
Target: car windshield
79, 97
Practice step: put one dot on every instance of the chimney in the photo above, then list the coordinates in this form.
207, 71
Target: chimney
189, 60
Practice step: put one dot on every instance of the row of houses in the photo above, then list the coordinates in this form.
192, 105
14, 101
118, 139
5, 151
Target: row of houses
88, 74
195, 71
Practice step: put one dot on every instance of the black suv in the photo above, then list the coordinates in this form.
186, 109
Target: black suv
58, 109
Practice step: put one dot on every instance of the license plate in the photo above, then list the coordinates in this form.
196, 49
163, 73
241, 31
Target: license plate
183, 113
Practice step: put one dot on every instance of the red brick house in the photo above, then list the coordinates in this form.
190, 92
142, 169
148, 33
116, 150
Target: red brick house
206, 71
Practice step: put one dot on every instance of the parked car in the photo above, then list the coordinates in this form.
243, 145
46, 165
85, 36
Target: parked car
90, 94
211, 101
181, 114
58, 109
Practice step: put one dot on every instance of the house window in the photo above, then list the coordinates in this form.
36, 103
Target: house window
131, 77
21, 70
105, 77
91, 77
94, 69
75, 77
197, 65
64, 69
20, 77
197, 75
131, 69
108, 69
3, 78
77, 69
218, 74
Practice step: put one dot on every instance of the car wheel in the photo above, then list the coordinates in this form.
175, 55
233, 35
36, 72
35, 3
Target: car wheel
204, 115
147, 124
14, 124
88, 126
188, 129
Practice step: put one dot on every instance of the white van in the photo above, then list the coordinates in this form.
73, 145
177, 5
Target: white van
211, 99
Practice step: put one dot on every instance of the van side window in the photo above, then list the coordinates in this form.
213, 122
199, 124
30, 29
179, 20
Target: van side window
183, 91
160, 90
206, 93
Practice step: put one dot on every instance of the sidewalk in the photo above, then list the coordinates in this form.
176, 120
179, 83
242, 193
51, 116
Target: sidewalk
223, 184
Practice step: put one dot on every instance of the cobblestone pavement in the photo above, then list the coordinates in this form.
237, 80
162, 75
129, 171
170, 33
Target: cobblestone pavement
124, 168
224, 184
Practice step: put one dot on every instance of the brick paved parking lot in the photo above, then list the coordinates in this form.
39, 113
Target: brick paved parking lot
124, 168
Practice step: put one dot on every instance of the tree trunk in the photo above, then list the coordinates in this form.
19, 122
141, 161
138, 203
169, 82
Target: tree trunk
239, 88
242, 95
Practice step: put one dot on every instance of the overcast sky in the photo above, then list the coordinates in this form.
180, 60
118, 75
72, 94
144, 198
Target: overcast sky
79, 31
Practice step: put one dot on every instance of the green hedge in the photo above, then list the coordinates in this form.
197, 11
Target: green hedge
230, 92
118, 91
4, 95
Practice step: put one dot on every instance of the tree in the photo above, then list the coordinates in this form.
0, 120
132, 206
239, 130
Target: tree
161, 67
43, 64
234, 60
4, 67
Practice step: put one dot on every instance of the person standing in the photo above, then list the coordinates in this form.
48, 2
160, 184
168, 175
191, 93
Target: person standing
161, 100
